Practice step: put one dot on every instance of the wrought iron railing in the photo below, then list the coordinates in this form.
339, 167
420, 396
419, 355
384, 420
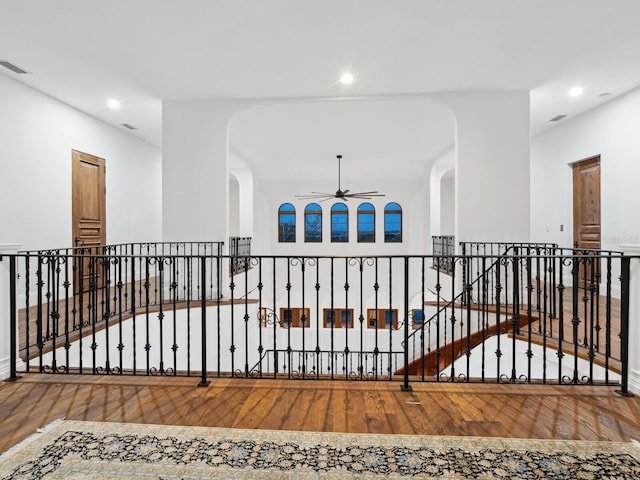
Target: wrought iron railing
444, 248
240, 252
366, 318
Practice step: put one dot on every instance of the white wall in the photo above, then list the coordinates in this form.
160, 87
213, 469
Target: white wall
195, 169
610, 131
408, 193
447, 204
234, 207
492, 165
37, 136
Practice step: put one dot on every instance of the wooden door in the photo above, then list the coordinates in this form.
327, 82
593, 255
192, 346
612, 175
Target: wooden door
89, 215
586, 214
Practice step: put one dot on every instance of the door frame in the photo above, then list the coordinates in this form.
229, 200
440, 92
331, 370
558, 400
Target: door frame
80, 264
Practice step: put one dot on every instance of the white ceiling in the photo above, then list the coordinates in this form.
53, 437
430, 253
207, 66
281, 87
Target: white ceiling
288, 54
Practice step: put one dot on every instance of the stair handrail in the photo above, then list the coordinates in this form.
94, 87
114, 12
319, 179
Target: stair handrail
465, 287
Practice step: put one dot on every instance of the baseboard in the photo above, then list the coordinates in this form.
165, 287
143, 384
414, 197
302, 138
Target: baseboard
634, 381
5, 367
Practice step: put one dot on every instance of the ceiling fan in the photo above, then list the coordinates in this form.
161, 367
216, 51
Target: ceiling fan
341, 194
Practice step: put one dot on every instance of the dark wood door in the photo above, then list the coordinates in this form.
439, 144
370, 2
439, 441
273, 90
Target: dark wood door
89, 215
586, 215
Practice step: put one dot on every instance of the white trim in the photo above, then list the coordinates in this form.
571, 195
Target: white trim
630, 249
8, 248
634, 381
5, 367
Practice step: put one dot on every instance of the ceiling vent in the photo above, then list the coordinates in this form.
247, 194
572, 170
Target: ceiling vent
557, 118
130, 127
12, 67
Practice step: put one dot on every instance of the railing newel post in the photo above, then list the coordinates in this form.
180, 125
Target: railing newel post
13, 320
625, 276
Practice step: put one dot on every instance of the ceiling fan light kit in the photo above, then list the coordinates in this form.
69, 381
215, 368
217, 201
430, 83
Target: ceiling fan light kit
344, 195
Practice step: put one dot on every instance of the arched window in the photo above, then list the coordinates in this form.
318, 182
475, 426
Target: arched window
287, 223
366, 223
392, 222
339, 223
313, 223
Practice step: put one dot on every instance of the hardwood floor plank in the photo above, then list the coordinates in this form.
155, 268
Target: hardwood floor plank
525, 411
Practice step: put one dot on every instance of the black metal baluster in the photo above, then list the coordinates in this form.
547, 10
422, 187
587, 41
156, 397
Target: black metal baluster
203, 327
13, 320
529, 315
275, 321
405, 385
592, 313
134, 340
516, 311
175, 293
436, 370
361, 360
452, 320
262, 317
218, 311
349, 319
288, 321
468, 289
333, 322
318, 365
392, 320
246, 319
188, 286
576, 320
498, 289
147, 286
232, 348
484, 314
607, 327
625, 275
376, 352
423, 289
561, 289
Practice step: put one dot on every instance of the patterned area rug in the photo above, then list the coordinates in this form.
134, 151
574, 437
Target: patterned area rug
74, 450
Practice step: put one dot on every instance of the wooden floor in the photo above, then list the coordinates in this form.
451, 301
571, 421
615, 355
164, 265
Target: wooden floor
524, 411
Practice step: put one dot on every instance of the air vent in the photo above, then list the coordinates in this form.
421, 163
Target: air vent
557, 118
130, 127
12, 67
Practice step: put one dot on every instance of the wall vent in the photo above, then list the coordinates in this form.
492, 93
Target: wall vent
130, 127
557, 118
12, 67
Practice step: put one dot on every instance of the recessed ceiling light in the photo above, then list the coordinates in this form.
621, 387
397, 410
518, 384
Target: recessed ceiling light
113, 103
346, 78
576, 91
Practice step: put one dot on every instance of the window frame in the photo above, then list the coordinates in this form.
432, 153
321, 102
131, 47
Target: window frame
339, 317
295, 318
360, 213
283, 213
377, 318
339, 213
308, 213
413, 318
389, 211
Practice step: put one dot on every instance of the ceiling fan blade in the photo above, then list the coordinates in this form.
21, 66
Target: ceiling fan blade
368, 194
313, 197
316, 194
